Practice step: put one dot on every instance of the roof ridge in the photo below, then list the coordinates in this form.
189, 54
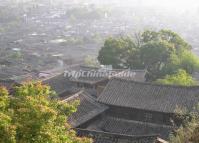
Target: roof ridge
84, 93
7, 80
53, 76
87, 96
93, 100
92, 114
154, 84
140, 122
72, 97
118, 134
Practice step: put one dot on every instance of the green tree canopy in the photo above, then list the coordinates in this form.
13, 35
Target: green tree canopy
166, 35
115, 51
160, 53
155, 56
30, 115
180, 78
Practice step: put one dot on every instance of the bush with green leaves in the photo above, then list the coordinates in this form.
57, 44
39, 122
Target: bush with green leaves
31, 115
180, 78
189, 130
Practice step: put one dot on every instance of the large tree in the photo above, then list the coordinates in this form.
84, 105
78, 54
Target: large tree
31, 115
160, 53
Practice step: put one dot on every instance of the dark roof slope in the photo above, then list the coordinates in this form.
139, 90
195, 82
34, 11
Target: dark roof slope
7, 83
105, 137
130, 127
61, 85
146, 96
88, 109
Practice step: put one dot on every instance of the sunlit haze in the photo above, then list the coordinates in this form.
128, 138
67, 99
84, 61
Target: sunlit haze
99, 71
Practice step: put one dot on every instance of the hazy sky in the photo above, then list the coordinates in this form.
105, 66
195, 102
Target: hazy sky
178, 4
174, 3
188, 4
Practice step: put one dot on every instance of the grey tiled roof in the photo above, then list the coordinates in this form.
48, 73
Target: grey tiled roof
135, 75
146, 96
94, 75
105, 137
7, 83
89, 80
4, 75
130, 127
88, 109
61, 85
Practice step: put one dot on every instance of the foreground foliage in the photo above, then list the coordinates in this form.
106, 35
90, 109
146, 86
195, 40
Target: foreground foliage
30, 115
189, 131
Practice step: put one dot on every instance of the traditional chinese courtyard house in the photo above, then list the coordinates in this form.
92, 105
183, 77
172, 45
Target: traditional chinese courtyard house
90, 110
133, 108
148, 102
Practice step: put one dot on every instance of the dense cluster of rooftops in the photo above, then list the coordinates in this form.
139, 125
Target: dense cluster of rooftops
123, 110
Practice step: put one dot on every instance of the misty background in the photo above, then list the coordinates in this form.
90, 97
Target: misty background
48, 35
